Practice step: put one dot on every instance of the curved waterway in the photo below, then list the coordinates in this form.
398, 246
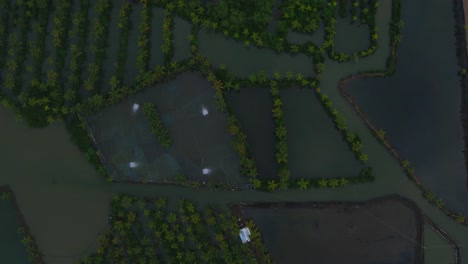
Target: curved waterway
66, 203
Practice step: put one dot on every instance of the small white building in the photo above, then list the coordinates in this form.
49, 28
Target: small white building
245, 234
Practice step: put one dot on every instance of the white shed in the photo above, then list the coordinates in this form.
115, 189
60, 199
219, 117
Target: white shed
245, 234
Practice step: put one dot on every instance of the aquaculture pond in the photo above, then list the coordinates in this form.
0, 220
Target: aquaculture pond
11, 248
237, 58
201, 147
316, 148
381, 232
253, 106
419, 107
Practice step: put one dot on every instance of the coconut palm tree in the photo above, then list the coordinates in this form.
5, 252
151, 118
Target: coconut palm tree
303, 184
272, 185
333, 183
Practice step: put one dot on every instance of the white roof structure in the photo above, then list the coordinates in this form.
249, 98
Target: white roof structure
245, 234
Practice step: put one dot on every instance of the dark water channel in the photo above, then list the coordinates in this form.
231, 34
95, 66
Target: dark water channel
419, 107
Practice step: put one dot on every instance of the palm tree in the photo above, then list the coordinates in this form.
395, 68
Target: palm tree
405, 164
272, 185
323, 183
363, 157
343, 182
439, 203
303, 184
429, 196
334, 183
380, 134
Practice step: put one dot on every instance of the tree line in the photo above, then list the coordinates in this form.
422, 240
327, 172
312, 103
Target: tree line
157, 128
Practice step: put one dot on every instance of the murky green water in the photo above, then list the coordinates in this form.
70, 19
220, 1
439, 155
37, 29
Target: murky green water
11, 248
218, 49
299, 38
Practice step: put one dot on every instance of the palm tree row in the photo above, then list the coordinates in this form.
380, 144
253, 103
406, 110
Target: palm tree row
168, 45
100, 34
4, 32
144, 39
15, 80
125, 26
240, 145
281, 133
34, 256
395, 36
60, 33
157, 128
80, 23
353, 140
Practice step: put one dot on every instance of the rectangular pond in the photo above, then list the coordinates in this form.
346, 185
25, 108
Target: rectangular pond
382, 232
201, 146
253, 106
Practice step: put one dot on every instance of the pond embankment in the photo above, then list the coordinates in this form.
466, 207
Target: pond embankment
460, 8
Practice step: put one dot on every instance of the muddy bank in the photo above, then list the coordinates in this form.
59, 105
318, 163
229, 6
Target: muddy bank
391, 227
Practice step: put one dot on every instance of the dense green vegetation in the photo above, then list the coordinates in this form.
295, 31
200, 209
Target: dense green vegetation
148, 231
157, 128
